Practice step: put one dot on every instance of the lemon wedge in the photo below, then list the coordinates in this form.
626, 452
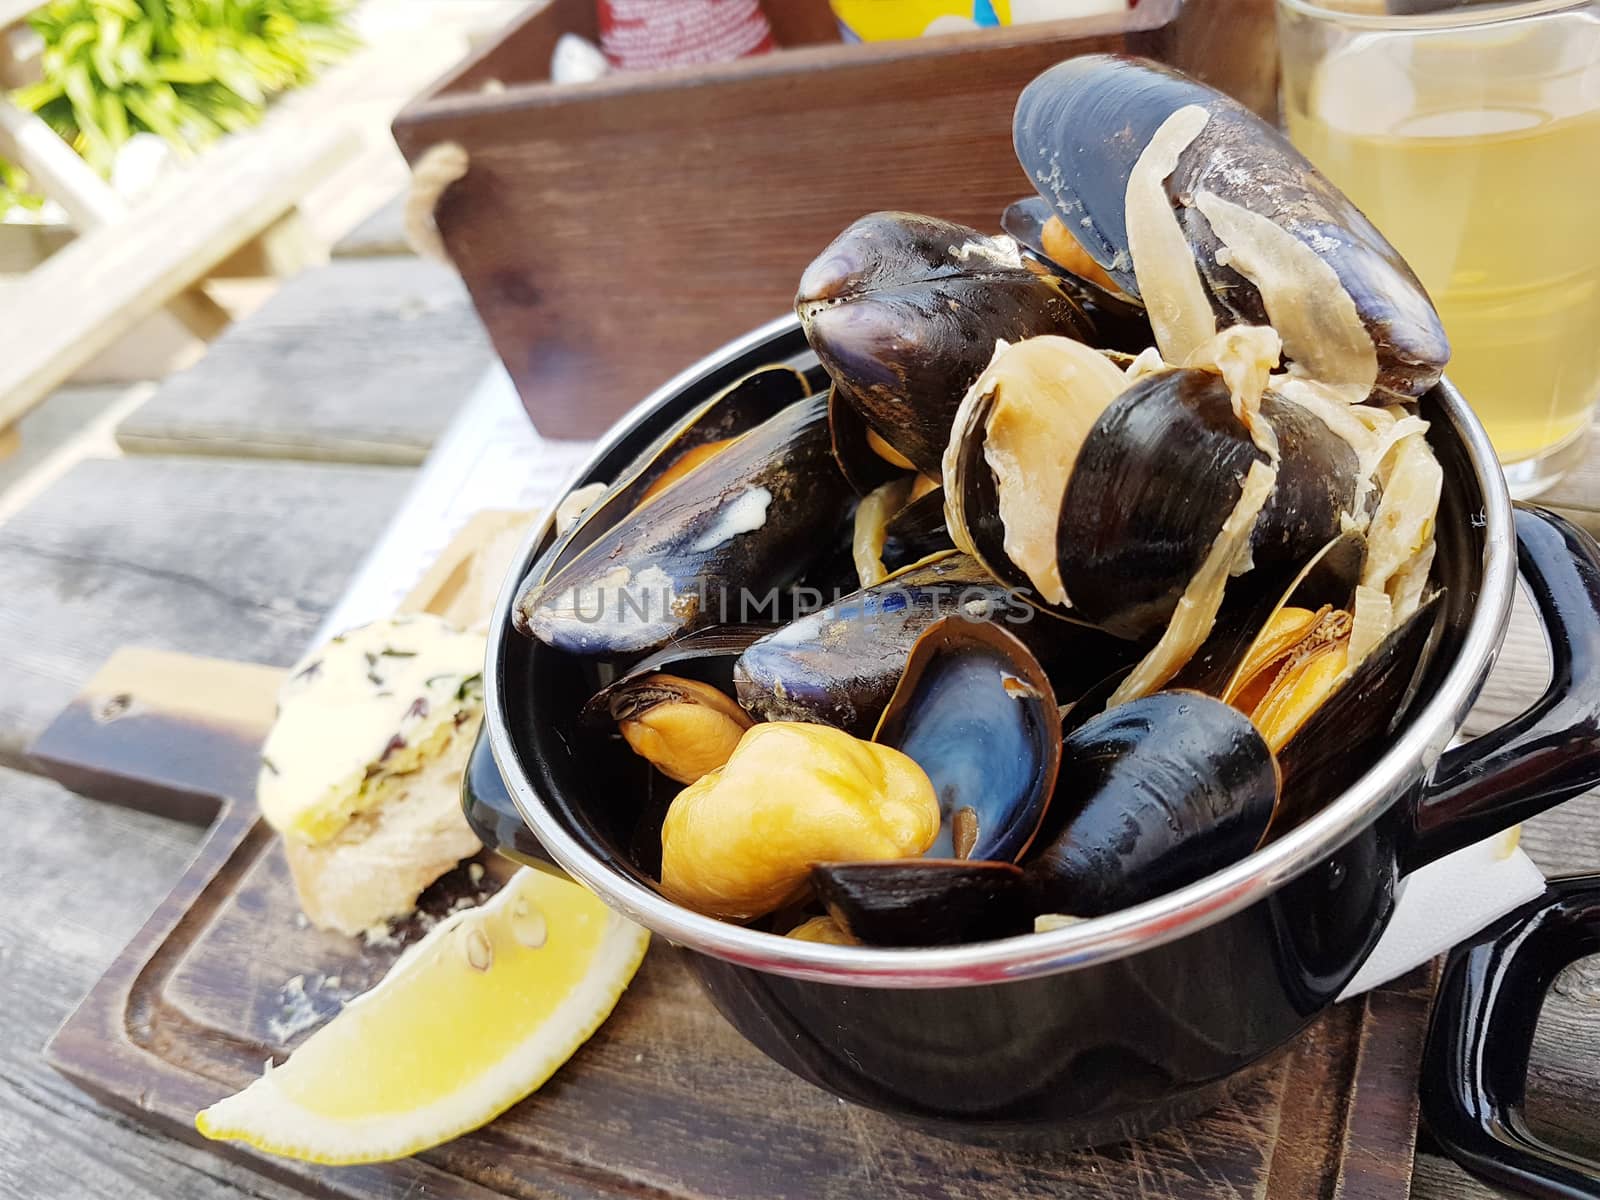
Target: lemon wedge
468, 1021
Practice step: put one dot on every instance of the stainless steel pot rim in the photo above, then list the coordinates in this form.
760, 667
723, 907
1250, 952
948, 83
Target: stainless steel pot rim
1104, 938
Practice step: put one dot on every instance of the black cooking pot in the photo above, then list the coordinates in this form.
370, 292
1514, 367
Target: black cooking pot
1115, 1026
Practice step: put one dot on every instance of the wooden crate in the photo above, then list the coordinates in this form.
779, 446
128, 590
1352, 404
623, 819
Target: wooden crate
612, 232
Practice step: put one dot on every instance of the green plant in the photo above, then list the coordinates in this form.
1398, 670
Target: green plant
14, 189
185, 70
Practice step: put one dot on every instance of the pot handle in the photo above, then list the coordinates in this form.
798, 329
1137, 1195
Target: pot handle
1475, 1067
1549, 753
492, 814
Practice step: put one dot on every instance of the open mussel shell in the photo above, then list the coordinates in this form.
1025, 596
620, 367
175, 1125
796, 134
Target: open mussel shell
897, 526
975, 710
707, 655
735, 410
924, 901
1330, 578
1241, 196
1120, 322
840, 664
1014, 442
904, 311
1152, 795
1352, 728
916, 532
740, 526
1158, 476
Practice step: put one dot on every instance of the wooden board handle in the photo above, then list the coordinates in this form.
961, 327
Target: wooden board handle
175, 734
165, 732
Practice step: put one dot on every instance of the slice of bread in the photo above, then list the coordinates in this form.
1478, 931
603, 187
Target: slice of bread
361, 772
379, 863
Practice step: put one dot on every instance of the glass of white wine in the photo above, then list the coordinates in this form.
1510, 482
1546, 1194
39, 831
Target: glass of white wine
1470, 134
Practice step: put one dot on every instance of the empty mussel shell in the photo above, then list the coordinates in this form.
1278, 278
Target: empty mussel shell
904, 311
975, 710
1205, 212
1152, 795
917, 532
733, 531
924, 901
899, 523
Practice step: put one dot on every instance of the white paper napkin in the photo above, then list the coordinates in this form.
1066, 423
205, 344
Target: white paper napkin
1447, 902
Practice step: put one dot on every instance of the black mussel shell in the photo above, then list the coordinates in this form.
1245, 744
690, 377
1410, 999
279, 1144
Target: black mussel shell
1079, 130
1120, 322
830, 573
737, 409
839, 665
917, 532
975, 710
924, 901
904, 311
1352, 728
1158, 476
861, 464
1056, 390
707, 655
732, 532
1152, 796
1329, 578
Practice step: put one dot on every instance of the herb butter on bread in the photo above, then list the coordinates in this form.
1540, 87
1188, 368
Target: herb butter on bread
361, 772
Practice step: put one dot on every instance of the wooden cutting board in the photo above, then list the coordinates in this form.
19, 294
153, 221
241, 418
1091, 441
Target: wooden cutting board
666, 1101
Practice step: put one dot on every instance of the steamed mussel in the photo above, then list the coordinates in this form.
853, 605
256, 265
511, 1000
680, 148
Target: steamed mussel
1193, 204
741, 522
1125, 521
904, 311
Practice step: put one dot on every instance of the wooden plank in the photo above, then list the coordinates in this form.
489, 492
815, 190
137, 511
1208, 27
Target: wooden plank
59, 419
191, 725
665, 1101
206, 556
77, 879
362, 360
381, 235
85, 297
89, 201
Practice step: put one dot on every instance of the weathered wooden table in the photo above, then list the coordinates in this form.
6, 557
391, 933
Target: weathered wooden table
233, 540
